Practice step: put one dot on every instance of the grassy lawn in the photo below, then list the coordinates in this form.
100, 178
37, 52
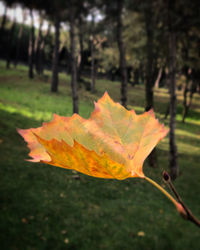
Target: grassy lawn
44, 207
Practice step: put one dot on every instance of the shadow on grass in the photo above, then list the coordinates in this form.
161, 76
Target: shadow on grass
188, 126
192, 114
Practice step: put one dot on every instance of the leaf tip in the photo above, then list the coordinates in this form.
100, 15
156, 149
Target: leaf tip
105, 97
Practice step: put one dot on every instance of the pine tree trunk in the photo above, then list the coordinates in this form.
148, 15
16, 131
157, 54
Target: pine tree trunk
174, 170
185, 104
10, 44
122, 61
80, 63
38, 46
92, 66
54, 83
136, 77
149, 83
18, 45
19, 39
92, 57
3, 22
188, 104
157, 82
73, 64
31, 47
41, 58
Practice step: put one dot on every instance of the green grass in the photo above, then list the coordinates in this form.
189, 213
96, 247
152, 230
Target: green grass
44, 207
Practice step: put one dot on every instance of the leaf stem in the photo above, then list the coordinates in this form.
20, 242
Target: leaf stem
180, 205
155, 184
188, 214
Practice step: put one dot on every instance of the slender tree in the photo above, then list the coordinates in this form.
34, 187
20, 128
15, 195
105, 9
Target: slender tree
122, 58
92, 39
54, 83
10, 43
150, 67
31, 46
73, 61
19, 39
81, 48
38, 44
174, 169
4, 18
41, 56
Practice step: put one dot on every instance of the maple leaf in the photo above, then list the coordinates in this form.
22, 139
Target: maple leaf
112, 143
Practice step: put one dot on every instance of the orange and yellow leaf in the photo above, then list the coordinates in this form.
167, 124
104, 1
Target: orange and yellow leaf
112, 143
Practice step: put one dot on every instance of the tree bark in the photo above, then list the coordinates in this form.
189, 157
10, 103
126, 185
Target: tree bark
149, 83
157, 82
38, 47
174, 169
187, 104
19, 38
31, 46
73, 63
92, 65
136, 74
122, 59
54, 83
41, 58
80, 61
3, 22
10, 44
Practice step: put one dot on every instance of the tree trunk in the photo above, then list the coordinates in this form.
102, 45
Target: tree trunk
92, 57
185, 105
54, 83
80, 61
73, 63
174, 170
18, 41
189, 103
149, 83
157, 82
136, 77
92, 65
31, 46
10, 44
122, 60
3, 22
38, 46
19, 38
167, 111
41, 59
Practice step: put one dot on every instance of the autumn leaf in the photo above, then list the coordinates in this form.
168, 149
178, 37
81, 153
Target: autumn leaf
112, 143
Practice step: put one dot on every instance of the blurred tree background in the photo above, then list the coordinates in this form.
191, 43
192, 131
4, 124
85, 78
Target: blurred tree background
151, 48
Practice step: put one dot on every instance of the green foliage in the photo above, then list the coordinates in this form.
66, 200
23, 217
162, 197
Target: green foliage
45, 207
135, 39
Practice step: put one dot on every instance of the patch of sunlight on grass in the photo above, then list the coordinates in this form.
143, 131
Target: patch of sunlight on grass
137, 109
183, 148
162, 92
188, 119
188, 149
186, 133
37, 115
